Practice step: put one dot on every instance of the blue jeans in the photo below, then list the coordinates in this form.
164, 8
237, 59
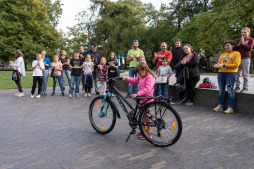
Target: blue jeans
156, 89
163, 89
74, 79
132, 74
59, 78
45, 81
227, 79
67, 73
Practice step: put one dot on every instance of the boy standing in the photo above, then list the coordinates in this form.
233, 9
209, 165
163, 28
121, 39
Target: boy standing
244, 46
38, 67
177, 53
76, 65
164, 71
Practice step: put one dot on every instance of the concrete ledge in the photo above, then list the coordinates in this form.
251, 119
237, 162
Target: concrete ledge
244, 103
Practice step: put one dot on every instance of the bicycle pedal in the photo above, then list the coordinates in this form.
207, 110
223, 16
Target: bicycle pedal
132, 132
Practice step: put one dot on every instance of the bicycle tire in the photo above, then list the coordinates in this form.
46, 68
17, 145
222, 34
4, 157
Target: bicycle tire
152, 137
102, 128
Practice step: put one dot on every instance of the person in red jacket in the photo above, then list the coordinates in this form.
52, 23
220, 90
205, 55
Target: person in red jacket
244, 46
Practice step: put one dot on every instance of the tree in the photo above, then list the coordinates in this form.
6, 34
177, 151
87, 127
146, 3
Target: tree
28, 25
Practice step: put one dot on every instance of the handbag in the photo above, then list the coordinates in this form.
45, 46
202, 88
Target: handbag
182, 87
15, 75
53, 72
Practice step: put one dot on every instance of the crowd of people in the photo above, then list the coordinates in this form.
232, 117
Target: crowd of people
91, 68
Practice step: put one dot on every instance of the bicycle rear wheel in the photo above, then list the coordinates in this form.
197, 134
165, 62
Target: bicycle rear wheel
102, 115
160, 124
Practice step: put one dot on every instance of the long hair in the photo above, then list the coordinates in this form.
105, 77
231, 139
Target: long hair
189, 45
115, 59
18, 53
61, 51
143, 66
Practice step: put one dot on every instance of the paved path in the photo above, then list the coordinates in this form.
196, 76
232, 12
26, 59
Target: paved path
54, 132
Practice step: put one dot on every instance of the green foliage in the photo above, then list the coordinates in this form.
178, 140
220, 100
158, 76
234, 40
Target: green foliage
28, 25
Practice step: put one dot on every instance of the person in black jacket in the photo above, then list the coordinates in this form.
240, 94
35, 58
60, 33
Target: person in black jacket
177, 54
96, 56
190, 60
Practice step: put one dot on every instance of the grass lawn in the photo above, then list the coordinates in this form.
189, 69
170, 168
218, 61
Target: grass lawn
26, 81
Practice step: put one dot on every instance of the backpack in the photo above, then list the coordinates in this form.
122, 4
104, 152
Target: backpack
15, 75
53, 72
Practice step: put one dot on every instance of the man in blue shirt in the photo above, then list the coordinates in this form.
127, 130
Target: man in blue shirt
46, 63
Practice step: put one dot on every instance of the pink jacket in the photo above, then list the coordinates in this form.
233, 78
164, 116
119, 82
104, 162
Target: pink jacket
146, 85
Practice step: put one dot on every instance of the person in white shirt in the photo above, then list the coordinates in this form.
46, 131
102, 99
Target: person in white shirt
20, 66
38, 67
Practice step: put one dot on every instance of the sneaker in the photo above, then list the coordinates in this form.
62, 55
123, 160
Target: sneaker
85, 95
245, 91
218, 108
42, 93
53, 94
179, 101
38, 96
32, 96
77, 95
140, 136
45, 94
177, 84
62, 93
229, 110
70, 95
17, 94
237, 89
189, 103
128, 95
150, 135
89, 94
103, 93
98, 93
64, 89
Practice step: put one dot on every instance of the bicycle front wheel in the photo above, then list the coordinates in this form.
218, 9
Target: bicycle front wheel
160, 124
102, 115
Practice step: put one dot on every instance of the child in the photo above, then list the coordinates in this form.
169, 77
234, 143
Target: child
164, 70
142, 59
146, 85
37, 67
76, 65
177, 54
88, 69
244, 46
112, 65
102, 75
58, 68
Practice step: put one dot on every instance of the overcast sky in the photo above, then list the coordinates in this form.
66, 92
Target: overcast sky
72, 7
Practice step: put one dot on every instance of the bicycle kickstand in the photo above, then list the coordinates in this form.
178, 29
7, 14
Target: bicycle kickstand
133, 131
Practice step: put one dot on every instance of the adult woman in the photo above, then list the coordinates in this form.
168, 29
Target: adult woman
188, 64
228, 68
20, 66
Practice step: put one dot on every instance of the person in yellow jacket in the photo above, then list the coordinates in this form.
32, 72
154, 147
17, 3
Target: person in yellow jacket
227, 74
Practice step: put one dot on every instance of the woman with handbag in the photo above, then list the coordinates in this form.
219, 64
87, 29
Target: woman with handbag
189, 70
18, 65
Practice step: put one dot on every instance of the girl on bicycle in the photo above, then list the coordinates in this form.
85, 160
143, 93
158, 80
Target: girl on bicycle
146, 82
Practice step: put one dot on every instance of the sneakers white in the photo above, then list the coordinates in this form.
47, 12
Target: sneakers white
229, 110
237, 89
38, 96
32, 96
89, 95
218, 108
245, 91
77, 95
21, 95
85, 95
70, 95
17, 94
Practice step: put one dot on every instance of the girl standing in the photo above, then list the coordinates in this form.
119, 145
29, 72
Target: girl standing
102, 75
112, 65
88, 69
146, 82
227, 75
66, 66
58, 68
20, 66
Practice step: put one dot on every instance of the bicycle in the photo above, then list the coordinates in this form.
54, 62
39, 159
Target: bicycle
157, 120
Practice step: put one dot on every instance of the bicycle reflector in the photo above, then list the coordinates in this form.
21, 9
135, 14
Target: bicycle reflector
99, 102
174, 125
103, 128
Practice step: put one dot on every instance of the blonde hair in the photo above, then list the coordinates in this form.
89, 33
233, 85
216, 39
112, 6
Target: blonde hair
246, 28
38, 54
103, 58
56, 57
18, 53
143, 66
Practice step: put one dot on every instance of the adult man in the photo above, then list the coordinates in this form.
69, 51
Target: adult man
82, 55
158, 59
132, 58
177, 54
46, 63
96, 56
